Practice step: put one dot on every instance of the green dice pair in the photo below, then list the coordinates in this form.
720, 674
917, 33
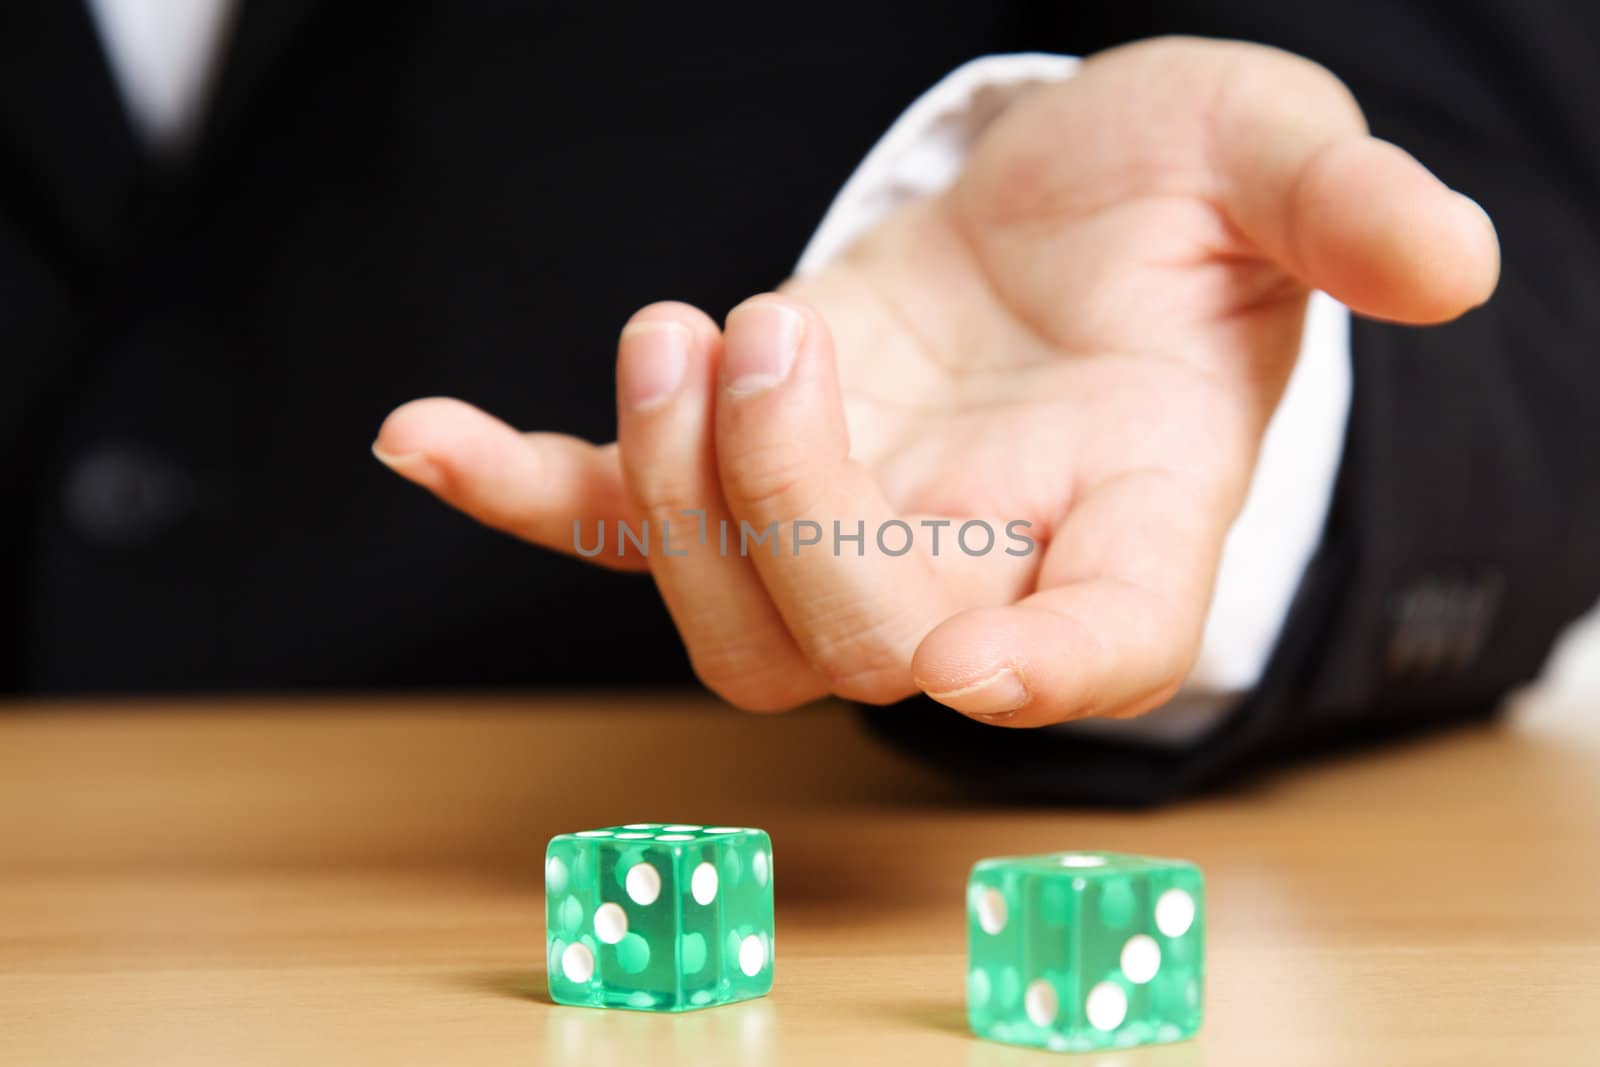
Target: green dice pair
1067, 951
659, 916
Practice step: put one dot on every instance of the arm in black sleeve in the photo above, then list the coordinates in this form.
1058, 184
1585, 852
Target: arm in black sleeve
1465, 529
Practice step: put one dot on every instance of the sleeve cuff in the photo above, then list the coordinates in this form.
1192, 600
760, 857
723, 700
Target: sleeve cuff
925, 149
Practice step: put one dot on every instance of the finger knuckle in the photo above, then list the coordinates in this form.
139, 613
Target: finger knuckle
749, 685
871, 687
863, 666
768, 482
662, 490
667, 503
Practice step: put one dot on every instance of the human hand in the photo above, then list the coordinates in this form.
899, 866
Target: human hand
1088, 333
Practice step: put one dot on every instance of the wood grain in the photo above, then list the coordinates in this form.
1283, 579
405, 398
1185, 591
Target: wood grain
308, 881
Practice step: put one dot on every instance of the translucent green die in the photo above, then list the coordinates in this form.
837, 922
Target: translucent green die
659, 916
1085, 950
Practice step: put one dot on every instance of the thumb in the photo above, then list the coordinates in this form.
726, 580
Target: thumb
1340, 210
1274, 143
1368, 224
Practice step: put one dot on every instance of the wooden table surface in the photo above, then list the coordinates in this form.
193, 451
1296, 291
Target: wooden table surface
309, 881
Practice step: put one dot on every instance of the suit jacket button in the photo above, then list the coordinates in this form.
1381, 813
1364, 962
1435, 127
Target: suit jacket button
122, 495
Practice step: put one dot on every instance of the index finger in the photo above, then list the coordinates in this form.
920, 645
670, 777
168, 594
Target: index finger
856, 586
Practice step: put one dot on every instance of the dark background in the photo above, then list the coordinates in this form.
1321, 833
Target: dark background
398, 200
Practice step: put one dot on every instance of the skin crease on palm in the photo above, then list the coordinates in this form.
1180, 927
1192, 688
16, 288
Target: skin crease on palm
1089, 331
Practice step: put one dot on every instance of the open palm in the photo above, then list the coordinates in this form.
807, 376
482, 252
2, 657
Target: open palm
1088, 334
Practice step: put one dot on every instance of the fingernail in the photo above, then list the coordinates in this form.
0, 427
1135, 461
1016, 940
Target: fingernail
651, 360
995, 698
1476, 210
761, 351
413, 465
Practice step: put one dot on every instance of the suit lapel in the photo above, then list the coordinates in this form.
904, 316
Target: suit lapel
264, 32
71, 169
74, 178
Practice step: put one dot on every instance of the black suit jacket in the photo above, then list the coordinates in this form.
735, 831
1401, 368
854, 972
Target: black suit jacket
384, 199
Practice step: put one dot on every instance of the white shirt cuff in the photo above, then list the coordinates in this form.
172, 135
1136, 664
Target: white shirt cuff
1281, 523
